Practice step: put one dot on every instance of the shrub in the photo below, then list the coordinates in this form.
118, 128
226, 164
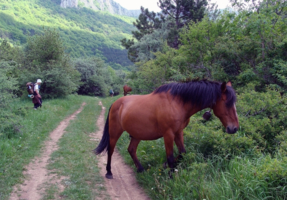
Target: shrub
274, 172
9, 122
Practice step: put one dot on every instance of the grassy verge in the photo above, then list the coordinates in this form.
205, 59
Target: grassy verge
75, 161
18, 151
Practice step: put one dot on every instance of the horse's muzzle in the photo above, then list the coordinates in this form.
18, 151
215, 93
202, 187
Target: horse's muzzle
231, 130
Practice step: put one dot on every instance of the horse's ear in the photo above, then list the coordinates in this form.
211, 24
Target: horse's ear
229, 84
223, 87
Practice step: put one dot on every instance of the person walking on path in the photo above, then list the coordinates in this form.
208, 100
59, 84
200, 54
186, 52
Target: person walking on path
111, 92
37, 100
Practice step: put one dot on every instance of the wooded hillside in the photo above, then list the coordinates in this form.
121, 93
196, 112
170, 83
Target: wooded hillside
84, 32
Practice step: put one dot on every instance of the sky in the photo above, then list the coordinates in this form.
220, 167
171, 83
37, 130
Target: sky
152, 4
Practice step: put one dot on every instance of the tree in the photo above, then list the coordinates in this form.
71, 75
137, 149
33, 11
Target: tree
182, 11
177, 13
146, 47
145, 24
96, 77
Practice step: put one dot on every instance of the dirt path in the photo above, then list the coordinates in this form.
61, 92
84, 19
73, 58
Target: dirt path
124, 185
36, 172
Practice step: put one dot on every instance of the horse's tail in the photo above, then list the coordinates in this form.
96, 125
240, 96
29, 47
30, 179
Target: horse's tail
105, 141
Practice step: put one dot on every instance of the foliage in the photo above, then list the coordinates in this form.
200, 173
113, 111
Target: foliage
174, 16
182, 12
9, 122
150, 43
96, 77
146, 24
46, 59
92, 73
245, 47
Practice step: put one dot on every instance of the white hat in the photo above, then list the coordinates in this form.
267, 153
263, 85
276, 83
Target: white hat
39, 81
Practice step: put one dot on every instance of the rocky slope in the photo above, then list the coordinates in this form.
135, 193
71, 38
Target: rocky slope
103, 5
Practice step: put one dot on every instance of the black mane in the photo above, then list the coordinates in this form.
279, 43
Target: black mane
202, 93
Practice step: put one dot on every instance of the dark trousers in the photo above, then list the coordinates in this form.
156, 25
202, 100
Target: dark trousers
36, 105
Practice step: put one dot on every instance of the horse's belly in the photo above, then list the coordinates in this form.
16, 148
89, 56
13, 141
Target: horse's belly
144, 130
144, 135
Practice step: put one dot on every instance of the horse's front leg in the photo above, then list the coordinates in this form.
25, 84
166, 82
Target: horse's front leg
133, 152
168, 142
180, 145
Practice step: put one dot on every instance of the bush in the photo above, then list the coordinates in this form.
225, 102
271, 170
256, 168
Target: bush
9, 122
97, 78
209, 138
274, 172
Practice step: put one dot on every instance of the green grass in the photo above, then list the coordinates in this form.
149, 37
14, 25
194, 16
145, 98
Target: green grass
18, 151
75, 160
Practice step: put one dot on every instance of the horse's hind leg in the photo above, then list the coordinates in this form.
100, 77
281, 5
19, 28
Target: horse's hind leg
133, 152
112, 143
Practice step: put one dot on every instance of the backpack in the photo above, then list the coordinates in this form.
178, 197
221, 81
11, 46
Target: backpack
30, 87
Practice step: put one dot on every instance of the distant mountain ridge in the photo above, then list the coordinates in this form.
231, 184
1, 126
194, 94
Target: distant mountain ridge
101, 5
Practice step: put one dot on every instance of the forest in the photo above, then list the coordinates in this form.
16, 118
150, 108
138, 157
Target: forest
245, 44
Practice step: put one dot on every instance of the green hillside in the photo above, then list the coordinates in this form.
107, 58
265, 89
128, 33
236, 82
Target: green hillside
84, 32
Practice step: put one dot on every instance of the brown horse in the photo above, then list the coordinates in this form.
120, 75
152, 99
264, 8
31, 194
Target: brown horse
127, 89
165, 113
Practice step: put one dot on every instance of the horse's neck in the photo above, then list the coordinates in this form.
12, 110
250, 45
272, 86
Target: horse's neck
191, 109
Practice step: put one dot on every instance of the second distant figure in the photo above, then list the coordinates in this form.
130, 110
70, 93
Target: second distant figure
37, 100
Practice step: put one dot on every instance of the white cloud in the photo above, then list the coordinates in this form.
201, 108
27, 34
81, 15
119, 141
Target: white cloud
152, 4
136, 4
221, 3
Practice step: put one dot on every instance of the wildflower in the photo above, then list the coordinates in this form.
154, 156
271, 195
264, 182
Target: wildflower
159, 174
176, 170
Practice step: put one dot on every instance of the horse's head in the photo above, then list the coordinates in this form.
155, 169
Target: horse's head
225, 108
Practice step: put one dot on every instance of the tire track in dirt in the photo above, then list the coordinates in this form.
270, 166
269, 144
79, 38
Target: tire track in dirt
36, 173
124, 185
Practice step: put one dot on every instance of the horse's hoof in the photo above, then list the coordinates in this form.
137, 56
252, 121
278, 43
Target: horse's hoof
164, 165
109, 176
140, 170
